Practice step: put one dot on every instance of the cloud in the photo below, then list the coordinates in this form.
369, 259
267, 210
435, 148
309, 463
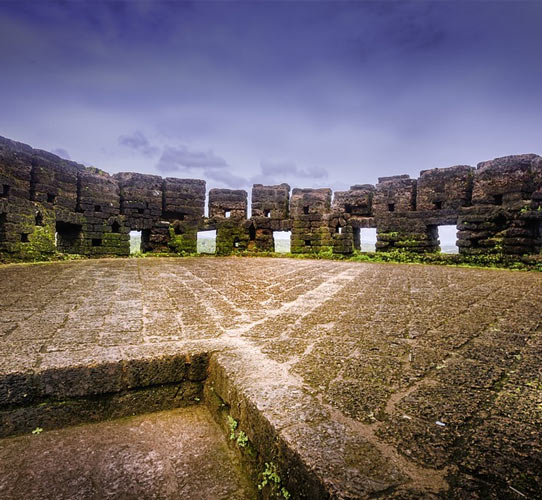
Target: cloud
181, 159
62, 153
227, 179
272, 172
203, 163
138, 142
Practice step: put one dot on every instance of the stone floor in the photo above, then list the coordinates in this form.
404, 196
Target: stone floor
397, 381
166, 455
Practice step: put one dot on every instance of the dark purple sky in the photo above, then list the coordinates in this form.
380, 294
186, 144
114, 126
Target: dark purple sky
311, 93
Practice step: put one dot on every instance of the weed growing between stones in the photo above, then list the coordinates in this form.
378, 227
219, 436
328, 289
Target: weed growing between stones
270, 477
242, 439
232, 423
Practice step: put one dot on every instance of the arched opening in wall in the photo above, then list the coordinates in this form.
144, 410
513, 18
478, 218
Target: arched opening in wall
236, 242
206, 242
136, 238
282, 241
252, 233
368, 239
447, 236
67, 237
115, 227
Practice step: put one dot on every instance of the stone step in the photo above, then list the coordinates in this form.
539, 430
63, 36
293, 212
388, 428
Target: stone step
178, 453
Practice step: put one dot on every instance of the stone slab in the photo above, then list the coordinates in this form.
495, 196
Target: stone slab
357, 380
166, 455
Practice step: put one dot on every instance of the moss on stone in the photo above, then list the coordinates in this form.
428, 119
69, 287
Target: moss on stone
41, 244
231, 238
182, 239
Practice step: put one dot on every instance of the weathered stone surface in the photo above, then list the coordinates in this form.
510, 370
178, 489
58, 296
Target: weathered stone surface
140, 198
310, 210
228, 203
55, 182
94, 212
357, 201
444, 188
168, 455
504, 180
394, 194
272, 202
183, 198
15, 170
355, 380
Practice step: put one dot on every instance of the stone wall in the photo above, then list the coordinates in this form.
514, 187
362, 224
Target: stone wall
183, 208
310, 210
49, 205
506, 212
270, 212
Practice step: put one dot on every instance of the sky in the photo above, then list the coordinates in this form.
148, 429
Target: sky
315, 94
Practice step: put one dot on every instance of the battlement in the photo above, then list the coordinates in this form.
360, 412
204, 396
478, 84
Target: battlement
49, 204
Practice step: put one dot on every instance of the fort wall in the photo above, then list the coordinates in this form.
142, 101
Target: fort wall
48, 204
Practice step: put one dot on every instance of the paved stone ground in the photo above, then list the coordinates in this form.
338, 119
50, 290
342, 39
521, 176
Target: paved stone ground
392, 380
166, 455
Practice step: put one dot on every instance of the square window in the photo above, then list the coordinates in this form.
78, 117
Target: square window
391, 207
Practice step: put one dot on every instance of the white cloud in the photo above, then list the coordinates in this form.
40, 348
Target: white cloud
138, 142
182, 159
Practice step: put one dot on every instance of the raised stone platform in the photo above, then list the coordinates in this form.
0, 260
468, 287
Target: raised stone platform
354, 380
